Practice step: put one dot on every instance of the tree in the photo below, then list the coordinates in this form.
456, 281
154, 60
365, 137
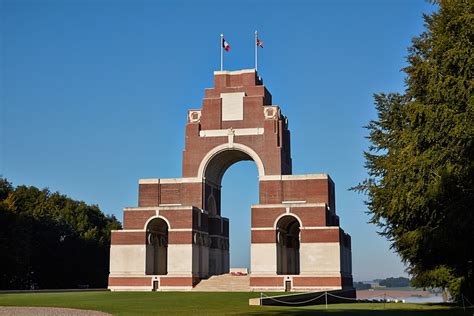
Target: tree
395, 282
420, 162
49, 240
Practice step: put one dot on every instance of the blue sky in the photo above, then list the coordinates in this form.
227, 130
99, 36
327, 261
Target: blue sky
94, 94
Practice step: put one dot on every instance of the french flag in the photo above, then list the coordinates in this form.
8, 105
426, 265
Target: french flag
225, 45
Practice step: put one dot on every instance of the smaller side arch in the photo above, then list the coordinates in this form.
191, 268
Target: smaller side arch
288, 241
155, 217
275, 223
156, 256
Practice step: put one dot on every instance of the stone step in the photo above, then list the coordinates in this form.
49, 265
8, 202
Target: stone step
224, 283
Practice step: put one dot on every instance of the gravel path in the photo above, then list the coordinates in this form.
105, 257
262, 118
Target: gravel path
46, 311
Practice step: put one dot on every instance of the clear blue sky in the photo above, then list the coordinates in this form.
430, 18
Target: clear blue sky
94, 95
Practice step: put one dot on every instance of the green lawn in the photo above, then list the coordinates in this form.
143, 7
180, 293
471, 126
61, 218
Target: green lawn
196, 303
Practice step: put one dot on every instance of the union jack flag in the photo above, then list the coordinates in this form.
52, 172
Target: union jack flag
259, 43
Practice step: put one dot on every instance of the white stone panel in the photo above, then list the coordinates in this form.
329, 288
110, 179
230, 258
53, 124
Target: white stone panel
233, 106
237, 132
320, 258
180, 259
127, 259
263, 259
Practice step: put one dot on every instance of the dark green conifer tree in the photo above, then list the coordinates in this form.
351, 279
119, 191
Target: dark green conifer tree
420, 163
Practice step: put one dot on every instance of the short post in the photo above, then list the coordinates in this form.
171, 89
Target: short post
384, 299
463, 305
261, 299
326, 298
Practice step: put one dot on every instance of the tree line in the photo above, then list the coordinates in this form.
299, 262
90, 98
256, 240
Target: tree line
50, 241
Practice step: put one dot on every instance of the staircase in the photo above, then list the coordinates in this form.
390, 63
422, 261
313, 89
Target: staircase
224, 283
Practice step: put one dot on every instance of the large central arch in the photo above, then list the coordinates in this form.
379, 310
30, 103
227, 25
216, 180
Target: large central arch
220, 158
212, 169
296, 241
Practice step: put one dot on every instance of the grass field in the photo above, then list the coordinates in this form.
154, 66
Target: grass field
205, 303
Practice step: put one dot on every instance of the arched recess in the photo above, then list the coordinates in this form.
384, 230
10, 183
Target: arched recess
220, 158
157, 246
288, 245
211, 205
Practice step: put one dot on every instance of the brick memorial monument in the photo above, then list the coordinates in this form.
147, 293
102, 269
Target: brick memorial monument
176, 237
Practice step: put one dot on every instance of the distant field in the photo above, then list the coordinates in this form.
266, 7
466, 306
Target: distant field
206, 303
392, 293
405, 288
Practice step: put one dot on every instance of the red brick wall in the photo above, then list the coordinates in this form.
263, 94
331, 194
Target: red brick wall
128, 238
266, 281
265, 217
317, 281
148, 195
320, 235
136, 219
176, 281
185, 237
263, 236
311, 216
129, 281
179, 218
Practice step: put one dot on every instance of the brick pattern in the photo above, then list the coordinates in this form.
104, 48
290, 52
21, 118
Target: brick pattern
176, 281
129, 281
311, 216
263, 236
148, 195
320, 235
266, 281
317, 281
136, 219
309, 190
179, 218
128, 238
170, 193
265, 217
185, 237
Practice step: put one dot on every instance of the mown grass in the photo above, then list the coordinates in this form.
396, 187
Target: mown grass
205, 303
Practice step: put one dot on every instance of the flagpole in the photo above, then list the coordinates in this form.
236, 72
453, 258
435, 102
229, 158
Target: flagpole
222, 52
256, 51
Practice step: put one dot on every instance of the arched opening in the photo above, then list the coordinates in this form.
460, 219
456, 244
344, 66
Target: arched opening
288, 245
239, 192
235, 203
157, 247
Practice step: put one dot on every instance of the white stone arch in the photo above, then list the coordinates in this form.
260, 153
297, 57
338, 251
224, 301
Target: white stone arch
288, 214
232, 147
155, 217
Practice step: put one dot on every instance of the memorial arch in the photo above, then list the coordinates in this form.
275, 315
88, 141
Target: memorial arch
176, 237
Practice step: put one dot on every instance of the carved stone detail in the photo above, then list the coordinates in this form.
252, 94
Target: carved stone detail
271, 112
194, 116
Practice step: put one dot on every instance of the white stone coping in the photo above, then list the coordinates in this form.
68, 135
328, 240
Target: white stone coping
301, 228
293, 202
169, 180
158, 208
289, 205
315, 176
235, 132
234, 72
